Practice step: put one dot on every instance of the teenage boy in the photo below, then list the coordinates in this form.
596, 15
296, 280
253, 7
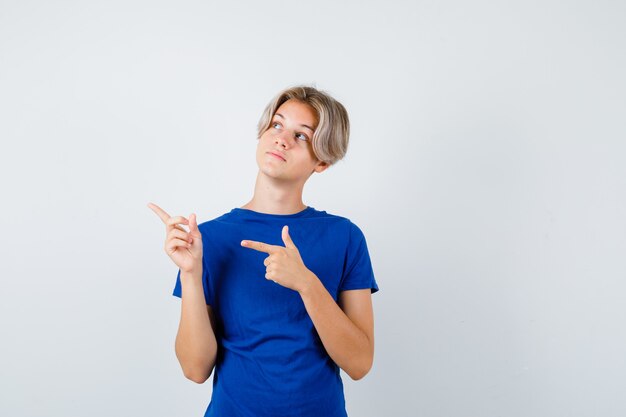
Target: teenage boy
276, 295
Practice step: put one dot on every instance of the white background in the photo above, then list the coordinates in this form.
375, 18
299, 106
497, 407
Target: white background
486, 168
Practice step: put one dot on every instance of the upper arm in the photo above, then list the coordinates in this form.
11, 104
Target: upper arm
357, 304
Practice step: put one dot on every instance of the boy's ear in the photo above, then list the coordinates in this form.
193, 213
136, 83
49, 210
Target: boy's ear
321, 166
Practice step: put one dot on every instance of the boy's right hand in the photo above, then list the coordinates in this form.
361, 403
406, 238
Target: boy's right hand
184, 248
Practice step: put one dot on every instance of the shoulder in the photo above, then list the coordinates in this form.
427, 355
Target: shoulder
340, 221
343, 228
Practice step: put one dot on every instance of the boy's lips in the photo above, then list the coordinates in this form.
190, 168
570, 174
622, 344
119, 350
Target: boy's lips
277, 155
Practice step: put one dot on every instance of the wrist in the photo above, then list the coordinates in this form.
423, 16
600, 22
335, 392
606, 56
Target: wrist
308, 283
192, 272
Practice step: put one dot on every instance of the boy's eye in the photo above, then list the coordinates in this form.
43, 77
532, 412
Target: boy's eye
302, 135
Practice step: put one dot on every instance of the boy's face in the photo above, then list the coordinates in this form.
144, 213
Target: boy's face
289, 136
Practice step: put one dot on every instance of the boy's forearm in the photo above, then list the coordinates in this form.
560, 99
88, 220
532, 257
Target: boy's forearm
196, 346
347, 345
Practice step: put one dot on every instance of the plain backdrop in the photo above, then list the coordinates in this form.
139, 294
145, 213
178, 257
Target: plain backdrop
486, 167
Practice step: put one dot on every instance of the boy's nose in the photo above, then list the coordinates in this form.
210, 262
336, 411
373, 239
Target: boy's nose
282, 139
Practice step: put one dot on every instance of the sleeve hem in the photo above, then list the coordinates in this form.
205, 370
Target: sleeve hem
374, 289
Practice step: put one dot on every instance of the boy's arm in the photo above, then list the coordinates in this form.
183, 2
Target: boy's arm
347, 329
348, 334
196, 346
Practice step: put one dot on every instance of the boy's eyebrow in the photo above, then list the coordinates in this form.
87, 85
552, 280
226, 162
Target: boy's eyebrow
308, 127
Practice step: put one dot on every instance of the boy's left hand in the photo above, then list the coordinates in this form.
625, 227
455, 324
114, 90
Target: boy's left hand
284, 265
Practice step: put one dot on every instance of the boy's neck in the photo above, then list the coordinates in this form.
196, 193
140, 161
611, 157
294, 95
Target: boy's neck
274, 198
274, 209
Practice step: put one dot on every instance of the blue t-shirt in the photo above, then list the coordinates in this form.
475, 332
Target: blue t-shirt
270, 359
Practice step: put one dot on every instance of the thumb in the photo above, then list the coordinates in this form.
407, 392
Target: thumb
287, 239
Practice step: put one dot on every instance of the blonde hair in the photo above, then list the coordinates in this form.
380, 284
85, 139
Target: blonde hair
330, 139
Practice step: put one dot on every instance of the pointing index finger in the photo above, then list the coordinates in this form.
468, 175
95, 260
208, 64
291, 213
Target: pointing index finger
260, 246
159, 211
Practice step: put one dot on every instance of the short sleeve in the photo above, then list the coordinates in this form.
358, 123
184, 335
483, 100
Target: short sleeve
357, 271
208, 295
